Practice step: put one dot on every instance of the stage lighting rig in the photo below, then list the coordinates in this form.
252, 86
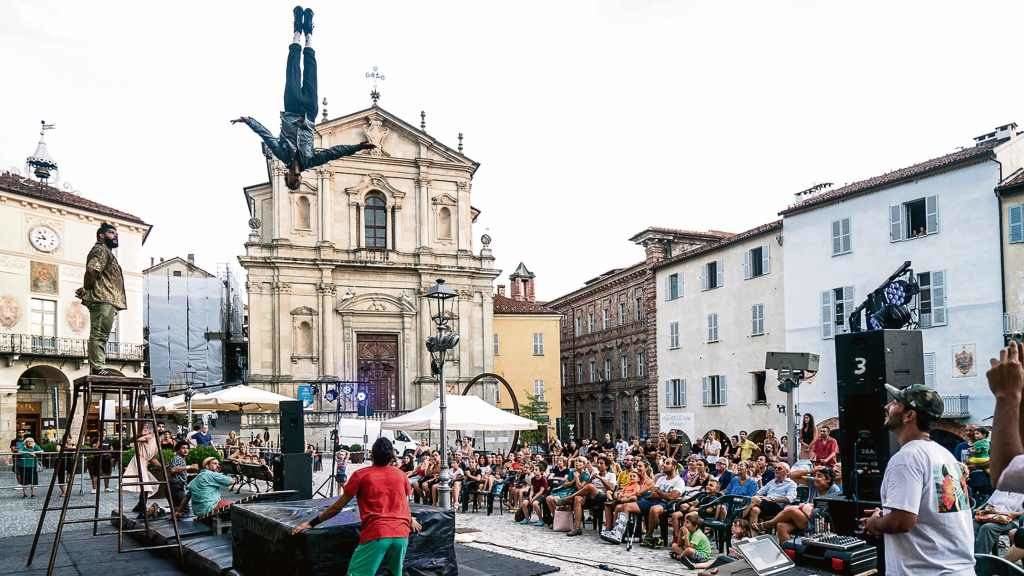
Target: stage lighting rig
888, 306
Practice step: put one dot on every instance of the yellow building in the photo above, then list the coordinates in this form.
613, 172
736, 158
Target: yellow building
526, 345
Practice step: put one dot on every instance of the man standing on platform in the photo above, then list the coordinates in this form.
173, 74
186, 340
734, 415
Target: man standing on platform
382, 492
926, 515
103, 294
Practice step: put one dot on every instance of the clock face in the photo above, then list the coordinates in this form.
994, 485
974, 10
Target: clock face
44, 238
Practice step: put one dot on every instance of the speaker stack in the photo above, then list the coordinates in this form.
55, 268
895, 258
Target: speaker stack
865, 362
294, 471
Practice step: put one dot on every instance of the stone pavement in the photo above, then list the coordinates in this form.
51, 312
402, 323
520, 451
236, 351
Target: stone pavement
588, 548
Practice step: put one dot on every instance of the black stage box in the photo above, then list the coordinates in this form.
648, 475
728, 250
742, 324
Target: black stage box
264, 544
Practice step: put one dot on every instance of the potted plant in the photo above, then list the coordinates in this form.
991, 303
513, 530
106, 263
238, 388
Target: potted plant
355, 454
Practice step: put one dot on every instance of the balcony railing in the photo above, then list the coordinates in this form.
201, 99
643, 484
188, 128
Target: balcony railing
955, 406
1013, 323
51, 346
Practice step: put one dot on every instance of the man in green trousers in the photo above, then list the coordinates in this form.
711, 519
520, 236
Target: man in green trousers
103, 295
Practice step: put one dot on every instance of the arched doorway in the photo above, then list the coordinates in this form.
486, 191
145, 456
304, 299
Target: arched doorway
488, 382
42, 402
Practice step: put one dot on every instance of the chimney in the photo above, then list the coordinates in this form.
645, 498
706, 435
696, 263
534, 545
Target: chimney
530, 297
501, 289
191, 259
1004, 132
152, 261
161, 259
517, 293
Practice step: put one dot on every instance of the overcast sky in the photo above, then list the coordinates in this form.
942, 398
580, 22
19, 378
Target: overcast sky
591, 120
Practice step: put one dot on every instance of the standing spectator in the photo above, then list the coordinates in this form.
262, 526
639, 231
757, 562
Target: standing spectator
734, 449
385, 518
203, 437
824, 449
621, 449
926, 522
136, 476
179, 470
747, 447
675, 446
232, 441
712, 447
771, 443
784, 448
806, 435
607, 443
26, 467
698, 448
100, 464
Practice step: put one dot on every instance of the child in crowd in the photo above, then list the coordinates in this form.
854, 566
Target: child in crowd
740, 529
691, 545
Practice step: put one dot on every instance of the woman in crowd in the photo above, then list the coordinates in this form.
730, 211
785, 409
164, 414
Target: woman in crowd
575, 479
712, 447
455, 481
100, 464
167, 441
571, 449
407, 464
136, 476
734, 449
807, 431
800, 516
431, 476
26, 467
232, 441
784, 448
770, 443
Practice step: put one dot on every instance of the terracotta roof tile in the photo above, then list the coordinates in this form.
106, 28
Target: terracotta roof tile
928, 167
1013, 182
732, 239
506, 305
16, 184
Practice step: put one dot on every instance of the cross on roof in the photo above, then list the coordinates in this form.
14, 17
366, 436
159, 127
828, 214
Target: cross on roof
374, 75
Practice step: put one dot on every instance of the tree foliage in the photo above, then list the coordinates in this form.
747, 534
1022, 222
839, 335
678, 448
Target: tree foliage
535, 409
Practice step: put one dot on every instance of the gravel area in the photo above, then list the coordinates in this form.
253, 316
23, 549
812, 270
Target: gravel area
588, 548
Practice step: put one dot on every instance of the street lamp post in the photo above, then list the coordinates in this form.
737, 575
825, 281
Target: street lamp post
438, 297
189, 375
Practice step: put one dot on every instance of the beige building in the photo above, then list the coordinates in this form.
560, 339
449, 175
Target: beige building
526, 346
337, 269
720, 309
176, 267
44, 240
1011, 206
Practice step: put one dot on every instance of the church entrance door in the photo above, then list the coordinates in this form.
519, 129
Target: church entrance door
378, 366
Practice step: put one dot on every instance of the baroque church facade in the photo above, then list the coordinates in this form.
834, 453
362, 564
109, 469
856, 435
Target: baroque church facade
337, 269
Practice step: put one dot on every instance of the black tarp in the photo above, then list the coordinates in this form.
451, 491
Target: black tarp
264, 544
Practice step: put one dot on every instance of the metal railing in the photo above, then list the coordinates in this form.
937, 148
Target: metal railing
1013, 323
955, 406
31, 345
319, 418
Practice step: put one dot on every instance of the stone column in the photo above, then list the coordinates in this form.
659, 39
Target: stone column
423, 219
325, 202
327, 290
463, 230
282, 205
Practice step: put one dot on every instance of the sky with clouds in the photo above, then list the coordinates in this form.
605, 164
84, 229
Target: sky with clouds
591, 119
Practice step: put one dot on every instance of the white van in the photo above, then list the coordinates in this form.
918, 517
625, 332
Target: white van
350, 431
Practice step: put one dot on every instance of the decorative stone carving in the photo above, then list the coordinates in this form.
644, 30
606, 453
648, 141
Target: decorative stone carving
326, 288
444, 200
376, 132
10, 311
374, 182
376, 306
303, 311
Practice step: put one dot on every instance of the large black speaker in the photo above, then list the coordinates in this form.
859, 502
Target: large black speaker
293, 436
294, 472
865, 362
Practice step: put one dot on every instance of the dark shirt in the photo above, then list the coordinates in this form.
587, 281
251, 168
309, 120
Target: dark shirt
725, 479
768, 476
202, 439
296, 142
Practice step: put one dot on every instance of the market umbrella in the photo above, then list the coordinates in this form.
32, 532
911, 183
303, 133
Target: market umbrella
238, 399
464, 413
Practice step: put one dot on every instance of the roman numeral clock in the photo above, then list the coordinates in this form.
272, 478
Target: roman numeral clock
44, 238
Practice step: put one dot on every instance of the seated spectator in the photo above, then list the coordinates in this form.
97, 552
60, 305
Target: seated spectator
710, 493
205, 488
742, 484
997, 517
668, 487
232, 441
824, 449
602, 483
537, 491
455, 479
625, 493
472, 481
740, 530
800, 516
776, 494
722, 472
691, 545
577, 477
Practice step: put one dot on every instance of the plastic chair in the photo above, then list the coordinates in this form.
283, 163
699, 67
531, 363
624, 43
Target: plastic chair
989, 565
722, 529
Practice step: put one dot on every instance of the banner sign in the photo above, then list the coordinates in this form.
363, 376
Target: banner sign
305, 394
683, 421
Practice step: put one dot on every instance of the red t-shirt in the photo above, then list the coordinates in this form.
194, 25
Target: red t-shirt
825, 450
382, 494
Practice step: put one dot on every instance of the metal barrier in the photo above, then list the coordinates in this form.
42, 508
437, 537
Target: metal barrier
9, 480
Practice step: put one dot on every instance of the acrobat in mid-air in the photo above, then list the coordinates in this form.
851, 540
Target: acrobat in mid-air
294, 146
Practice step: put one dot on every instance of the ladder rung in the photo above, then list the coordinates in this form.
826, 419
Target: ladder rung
140, 483
158, 547
84, 520
71, 508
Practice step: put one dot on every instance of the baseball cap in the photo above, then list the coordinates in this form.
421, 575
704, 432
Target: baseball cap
918, 397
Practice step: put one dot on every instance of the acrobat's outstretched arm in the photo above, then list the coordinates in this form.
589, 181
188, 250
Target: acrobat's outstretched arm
272, 142
325, 155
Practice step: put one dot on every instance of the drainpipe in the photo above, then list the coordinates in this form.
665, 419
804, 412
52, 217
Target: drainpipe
1002, 255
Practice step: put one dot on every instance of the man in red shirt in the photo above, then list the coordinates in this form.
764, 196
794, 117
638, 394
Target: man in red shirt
824, 449
382, 494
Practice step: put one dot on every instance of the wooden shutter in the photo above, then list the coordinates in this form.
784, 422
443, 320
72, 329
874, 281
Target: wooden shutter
766, 261
704, 277
668, 393
668, 287
931, 214
837, 238
826, 314
929, 369
720, 273
723, 391
746, 265
707, 391
847, 236
682, 392
938, 298
895, 222
1017, 223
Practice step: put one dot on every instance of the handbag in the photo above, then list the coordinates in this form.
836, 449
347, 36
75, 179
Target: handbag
563, 521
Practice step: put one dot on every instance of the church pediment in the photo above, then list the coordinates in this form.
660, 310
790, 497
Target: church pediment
394, 138
375, 303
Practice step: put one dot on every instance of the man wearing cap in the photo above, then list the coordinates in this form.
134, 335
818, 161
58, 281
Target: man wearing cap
925, 517
205, 488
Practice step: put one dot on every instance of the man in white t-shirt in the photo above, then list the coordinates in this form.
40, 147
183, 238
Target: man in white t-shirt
668, 487
926, 515
621, 448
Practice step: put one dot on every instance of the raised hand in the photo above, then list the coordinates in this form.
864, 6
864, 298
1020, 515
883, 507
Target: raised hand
1006, 376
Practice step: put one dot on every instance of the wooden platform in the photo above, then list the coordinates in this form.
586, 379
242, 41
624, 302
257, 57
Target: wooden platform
114, 382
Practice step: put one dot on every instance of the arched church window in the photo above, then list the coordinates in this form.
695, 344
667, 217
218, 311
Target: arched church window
302, 209
305, 344
444, 223
375, 217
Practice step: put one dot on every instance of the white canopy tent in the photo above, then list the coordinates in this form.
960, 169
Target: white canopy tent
463, 413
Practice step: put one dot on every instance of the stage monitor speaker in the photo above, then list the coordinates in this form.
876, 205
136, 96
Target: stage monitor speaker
294, 472
865, 362
293, 437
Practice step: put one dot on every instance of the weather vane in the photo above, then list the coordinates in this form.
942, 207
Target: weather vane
374, 75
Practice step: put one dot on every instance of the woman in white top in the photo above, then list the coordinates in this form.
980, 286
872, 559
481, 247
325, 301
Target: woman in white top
712, 447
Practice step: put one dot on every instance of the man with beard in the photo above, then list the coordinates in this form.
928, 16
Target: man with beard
103, 294
925, 517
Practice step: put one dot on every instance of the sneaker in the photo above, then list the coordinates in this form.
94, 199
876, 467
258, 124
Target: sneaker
108, 489
92, 491
524, 521
307, 22
298, 19
538, 523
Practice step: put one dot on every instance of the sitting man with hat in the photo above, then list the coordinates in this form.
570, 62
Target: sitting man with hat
205, 488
